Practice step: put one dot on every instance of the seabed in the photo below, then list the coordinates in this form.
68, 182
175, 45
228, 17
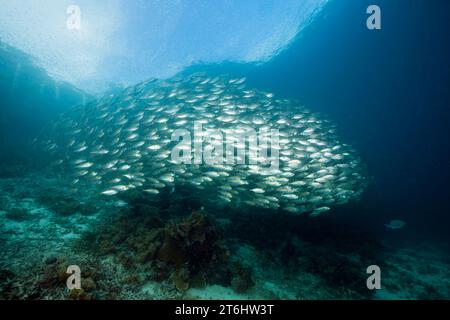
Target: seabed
170, 247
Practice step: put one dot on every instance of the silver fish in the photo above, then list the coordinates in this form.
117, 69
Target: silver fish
126, 142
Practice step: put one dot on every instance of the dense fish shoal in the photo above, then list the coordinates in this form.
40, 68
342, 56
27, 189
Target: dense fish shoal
235, 145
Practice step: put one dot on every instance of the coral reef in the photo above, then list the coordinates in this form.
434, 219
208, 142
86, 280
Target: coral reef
184, 251
8, 289
18, 214
66, 205
169, 247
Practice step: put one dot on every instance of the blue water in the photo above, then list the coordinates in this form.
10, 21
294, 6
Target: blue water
387, 90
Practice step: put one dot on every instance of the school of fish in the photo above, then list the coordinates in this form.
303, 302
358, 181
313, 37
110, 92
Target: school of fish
126, 141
